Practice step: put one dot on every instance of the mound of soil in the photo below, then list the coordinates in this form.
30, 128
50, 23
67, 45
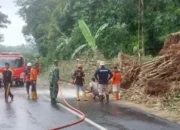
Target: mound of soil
159, 76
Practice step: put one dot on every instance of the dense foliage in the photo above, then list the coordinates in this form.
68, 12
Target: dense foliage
53, 25
3, 23
29, 51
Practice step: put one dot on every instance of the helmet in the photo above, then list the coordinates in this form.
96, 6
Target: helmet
79, 66
29, 64
102, 63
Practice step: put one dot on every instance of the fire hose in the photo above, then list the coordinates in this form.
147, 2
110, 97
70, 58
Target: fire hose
72, 108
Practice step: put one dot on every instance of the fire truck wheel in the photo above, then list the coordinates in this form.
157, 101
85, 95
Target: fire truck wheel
21, 83
16, 83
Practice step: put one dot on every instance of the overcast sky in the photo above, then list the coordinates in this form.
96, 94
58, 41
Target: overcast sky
12, 35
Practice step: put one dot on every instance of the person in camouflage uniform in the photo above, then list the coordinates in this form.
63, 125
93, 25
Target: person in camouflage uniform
54, 78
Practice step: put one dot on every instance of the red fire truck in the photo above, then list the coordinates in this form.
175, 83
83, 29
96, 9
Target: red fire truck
17, 64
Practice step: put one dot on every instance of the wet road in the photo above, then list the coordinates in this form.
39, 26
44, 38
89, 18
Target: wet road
24, 114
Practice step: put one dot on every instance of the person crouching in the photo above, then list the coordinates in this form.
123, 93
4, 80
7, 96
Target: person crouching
94, 88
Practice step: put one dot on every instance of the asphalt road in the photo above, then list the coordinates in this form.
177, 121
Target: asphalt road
25, 114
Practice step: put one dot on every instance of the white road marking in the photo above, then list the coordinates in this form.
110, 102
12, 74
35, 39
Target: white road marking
86, 119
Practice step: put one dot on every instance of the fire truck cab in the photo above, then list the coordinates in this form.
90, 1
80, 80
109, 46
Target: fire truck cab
17, 64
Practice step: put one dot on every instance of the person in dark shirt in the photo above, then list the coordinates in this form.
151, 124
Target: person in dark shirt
103, 75
7, 80
27, 78
79, 81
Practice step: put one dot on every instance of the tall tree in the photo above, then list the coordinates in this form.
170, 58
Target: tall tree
37, 14
53, 25
3, 23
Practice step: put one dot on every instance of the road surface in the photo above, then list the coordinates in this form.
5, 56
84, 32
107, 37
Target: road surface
25, 114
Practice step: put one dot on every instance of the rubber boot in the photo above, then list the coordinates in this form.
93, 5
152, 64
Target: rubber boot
53, 101
84, 95
12, 97
34, 95
114, 95
77, 96
6, 100
101, 99
117, 95
107, 99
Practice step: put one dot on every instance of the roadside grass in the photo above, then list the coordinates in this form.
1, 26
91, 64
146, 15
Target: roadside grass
146, 58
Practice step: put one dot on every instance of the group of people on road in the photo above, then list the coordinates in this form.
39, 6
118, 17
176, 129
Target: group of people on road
99, 84
99, 89
31, 73
103, 77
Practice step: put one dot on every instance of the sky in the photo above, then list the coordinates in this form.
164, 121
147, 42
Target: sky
13, 34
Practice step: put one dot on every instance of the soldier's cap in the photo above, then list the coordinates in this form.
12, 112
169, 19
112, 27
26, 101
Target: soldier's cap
55, 61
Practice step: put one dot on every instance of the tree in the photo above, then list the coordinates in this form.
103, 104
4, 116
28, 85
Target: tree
91, 40
37, 14
52, 25
3, 23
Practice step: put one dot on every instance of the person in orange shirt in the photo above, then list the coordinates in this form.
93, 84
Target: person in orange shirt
33, 78
116, 80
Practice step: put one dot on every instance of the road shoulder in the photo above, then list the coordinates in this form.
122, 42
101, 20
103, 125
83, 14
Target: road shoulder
164, 114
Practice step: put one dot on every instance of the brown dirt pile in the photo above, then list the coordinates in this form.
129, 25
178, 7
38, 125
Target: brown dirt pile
158, 76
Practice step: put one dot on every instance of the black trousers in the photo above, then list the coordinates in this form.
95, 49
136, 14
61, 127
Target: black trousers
33, 84
28, 84
7, 87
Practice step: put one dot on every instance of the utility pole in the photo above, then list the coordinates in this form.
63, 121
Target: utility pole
139, 23
139, 33
142, 27
141, 50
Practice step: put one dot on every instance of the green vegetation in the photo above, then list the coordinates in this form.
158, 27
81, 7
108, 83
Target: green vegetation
62, 29
3, 23
91, 40
29, 51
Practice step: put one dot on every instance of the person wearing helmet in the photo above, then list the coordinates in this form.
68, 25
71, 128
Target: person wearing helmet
79, 81
27, 78
103, 75
54, 79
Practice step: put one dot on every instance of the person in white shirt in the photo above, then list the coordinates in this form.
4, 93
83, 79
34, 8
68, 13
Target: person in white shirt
94, 88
